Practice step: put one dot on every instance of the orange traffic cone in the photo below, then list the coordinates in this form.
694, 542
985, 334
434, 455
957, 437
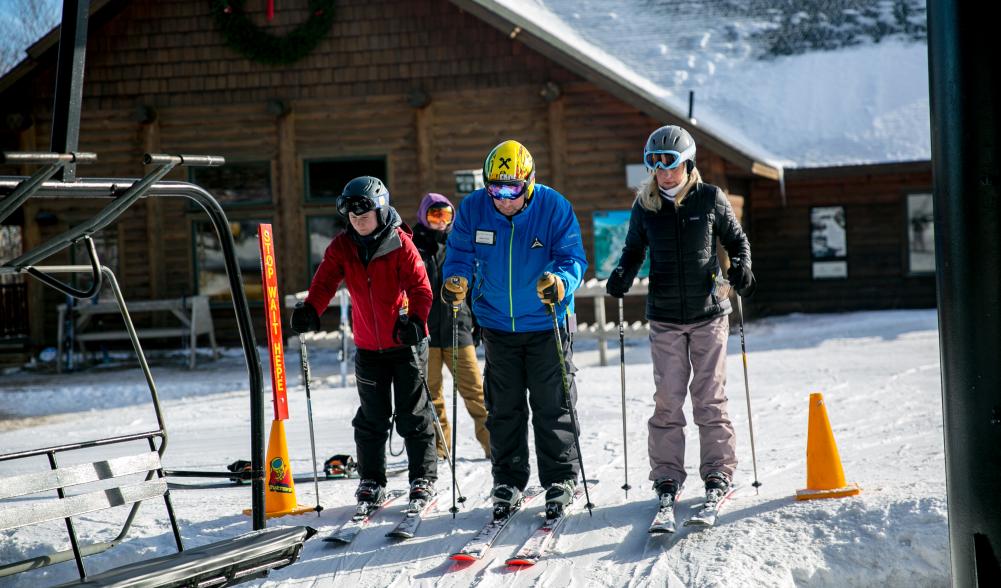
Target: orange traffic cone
824, 476
279, 491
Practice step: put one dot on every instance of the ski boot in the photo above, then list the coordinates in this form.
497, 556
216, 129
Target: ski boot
370, 493
505, 498
717, 485
667, 490
558, 495
421, 492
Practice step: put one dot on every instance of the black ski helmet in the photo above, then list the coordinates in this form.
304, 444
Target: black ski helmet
671, 138
364, 194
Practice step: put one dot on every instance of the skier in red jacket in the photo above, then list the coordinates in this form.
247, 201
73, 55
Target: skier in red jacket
384, 273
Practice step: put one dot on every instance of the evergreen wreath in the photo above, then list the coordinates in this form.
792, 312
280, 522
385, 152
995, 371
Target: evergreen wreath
258, 45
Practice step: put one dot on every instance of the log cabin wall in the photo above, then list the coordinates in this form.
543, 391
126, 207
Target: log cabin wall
419, 83
875, 203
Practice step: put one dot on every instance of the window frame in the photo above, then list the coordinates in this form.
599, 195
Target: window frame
307, 194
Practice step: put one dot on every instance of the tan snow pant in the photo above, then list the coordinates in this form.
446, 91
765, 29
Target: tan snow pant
696, 352
470, 388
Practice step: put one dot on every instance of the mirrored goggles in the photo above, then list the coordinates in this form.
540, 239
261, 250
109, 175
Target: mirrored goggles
441, 214
354, 204
655, 160
506, 190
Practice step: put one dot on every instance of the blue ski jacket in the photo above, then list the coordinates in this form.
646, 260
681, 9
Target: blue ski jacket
504, 257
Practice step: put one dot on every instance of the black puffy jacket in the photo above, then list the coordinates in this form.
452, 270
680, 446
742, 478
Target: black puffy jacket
432, 249
683, 260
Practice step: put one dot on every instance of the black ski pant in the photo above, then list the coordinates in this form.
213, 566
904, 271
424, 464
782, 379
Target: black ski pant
516, 362
388, 378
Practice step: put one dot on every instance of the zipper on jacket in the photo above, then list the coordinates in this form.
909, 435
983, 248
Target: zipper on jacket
681, 268
375, 319
510, 264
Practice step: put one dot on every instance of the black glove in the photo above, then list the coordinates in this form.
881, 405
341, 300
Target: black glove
741, 278
477, 334
304, 318
409, 330
616, 285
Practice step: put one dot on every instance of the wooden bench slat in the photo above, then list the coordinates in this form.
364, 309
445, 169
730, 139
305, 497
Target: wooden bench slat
61, 508
143, 334
24, 484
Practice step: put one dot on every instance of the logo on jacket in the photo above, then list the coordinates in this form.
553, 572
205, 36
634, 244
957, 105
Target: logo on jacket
536, 243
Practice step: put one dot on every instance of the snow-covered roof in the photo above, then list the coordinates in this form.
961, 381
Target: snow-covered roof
804, 83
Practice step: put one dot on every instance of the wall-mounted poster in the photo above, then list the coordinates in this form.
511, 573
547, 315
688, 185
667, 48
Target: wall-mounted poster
610, 228
920, 234
829, 242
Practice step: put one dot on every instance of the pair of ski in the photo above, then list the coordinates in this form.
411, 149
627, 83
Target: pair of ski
705, 516
406, 529
533, 549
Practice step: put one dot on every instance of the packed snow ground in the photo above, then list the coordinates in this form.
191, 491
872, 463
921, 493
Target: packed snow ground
879, 372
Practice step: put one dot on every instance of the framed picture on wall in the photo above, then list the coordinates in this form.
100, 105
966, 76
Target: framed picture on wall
610, 229
920, 234
829, 242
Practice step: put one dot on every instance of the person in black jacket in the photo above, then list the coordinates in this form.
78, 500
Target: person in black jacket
434, 221
678, 217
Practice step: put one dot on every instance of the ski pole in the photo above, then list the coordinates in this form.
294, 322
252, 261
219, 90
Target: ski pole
304, 364
622, 374
455, 393
434, 415
747, 391
566, 396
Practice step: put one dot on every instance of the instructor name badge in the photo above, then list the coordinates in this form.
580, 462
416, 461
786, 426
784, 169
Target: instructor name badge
486, 237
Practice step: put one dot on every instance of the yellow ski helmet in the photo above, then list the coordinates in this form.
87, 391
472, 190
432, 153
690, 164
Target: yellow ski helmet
509, 171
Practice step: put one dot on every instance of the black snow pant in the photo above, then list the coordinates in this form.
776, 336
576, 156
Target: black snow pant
516, 362
388, 378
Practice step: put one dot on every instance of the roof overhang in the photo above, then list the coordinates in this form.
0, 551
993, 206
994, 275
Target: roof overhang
524, 29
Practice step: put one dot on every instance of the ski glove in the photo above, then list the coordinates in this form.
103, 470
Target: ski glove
741, 278
616, 285
453, 291
409, 330
550, 289
304, 318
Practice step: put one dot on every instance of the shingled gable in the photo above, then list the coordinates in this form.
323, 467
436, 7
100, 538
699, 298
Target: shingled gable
562, 46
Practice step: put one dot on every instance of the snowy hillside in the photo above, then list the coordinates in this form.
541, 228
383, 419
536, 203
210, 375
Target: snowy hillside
879, 372
814, 82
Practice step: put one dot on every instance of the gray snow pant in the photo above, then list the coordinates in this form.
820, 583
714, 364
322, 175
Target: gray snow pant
514, 362
698, 352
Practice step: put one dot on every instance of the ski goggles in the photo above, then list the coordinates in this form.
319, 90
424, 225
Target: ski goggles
440, 214
509, 190
665, 158
357, 205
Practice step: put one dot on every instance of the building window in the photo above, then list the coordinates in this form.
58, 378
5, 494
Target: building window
325, 178
210, 266
240, 183
829, 242
920, 234
320, 230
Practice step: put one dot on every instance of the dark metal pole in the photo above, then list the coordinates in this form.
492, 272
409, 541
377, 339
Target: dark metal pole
69, 82
965, 99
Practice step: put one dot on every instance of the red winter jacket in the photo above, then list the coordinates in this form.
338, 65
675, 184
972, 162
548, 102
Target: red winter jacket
395, 273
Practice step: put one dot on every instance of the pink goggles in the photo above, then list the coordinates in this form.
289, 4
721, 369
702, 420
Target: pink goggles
511, 190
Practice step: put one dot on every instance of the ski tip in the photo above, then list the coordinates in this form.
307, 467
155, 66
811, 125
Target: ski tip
399, 535
660, 531
336, 541
464, 557
520, 562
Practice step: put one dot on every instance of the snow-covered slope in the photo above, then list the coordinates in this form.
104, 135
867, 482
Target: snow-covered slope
879, 373
814, 82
